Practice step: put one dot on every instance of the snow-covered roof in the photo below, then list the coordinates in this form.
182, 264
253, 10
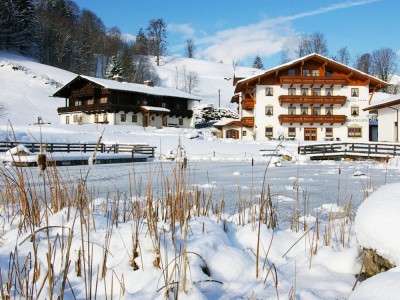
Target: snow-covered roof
135, 87
224, 122
155, 108
296, 61
384, 102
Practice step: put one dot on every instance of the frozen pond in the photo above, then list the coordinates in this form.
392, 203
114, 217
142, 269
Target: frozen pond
318, 183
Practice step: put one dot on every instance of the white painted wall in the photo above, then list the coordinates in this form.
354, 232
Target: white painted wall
387, 117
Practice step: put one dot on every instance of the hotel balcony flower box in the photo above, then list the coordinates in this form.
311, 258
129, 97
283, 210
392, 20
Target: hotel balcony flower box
314, 80
317, 100
311, 119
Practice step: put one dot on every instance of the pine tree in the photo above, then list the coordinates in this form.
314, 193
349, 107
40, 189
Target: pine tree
257, 63
115, 68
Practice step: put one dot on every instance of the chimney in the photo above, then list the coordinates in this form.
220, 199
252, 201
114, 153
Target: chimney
117, 77
148, 83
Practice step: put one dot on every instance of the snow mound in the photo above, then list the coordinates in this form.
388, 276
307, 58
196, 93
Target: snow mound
377, 222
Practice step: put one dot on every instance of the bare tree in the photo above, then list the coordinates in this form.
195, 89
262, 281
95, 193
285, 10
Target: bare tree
189, 80
157, 38
313, 43
363, 63
190, 47
343, 56
383, 63
3, 109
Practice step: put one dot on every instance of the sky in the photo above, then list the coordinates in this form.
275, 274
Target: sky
238, 31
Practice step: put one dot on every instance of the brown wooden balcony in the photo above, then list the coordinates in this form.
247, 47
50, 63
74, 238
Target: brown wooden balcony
314, 80
248, 103
311, 119
108, 107
317, 100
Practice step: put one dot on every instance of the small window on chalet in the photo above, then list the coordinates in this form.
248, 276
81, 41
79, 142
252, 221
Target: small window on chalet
304, 91
316, 110
105, 118
144, 102
354, 92
269, 91
269, 110
123, 117
291, 110
103, 100
66, 119
329, 92
292, 91
76, 118
78, 102
306, 73
354, 132
292, 132
315, 72
96, 118
304, 110
269, 132
178, 106
90, 102
328, 110
180, 122
355, 111
316, 92
134, 118
292, 72
328, 73
163, 105
328, 132
244, 132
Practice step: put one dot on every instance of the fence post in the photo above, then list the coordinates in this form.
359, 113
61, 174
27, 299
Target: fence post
214, 153
116, 148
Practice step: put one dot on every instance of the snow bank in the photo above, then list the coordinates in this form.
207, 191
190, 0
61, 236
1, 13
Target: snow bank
377, 222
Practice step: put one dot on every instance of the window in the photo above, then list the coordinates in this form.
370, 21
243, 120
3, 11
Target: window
269, 110
66, 119
316, 110
328, 111
96, 118
103, 100
306, 73
304, 91
269, 91
329, 92
181, 122
328, 73
177, 106
315, 72
354, 92
244, 132
354, 132
292, 72
329, 132
304, 110
291, 110
291, 91
90, 102
123, 117
269, 132
144, 102
292, 132
76, 118
355, 111
163, 105
78, 102
134, 118
317, 92
105, 118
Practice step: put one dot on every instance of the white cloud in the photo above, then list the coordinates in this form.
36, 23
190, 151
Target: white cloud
128, 37
264, 38
186, 29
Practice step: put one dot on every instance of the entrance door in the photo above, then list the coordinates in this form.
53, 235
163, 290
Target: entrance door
310, 134
232, 134
145, 120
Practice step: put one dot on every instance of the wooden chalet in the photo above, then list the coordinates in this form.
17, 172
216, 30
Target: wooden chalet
311, 98
96, 100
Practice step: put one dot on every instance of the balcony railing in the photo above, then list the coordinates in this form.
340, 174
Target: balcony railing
311, 119
313, 80
107, 107
318, 100
248, 104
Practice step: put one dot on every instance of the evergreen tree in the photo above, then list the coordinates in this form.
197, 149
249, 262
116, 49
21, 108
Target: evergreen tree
115, 68
141, 46
257, 63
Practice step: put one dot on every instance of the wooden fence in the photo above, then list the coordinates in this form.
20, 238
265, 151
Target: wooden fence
82, 147
350, 149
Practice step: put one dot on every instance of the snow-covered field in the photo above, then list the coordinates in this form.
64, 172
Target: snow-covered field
217, 248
